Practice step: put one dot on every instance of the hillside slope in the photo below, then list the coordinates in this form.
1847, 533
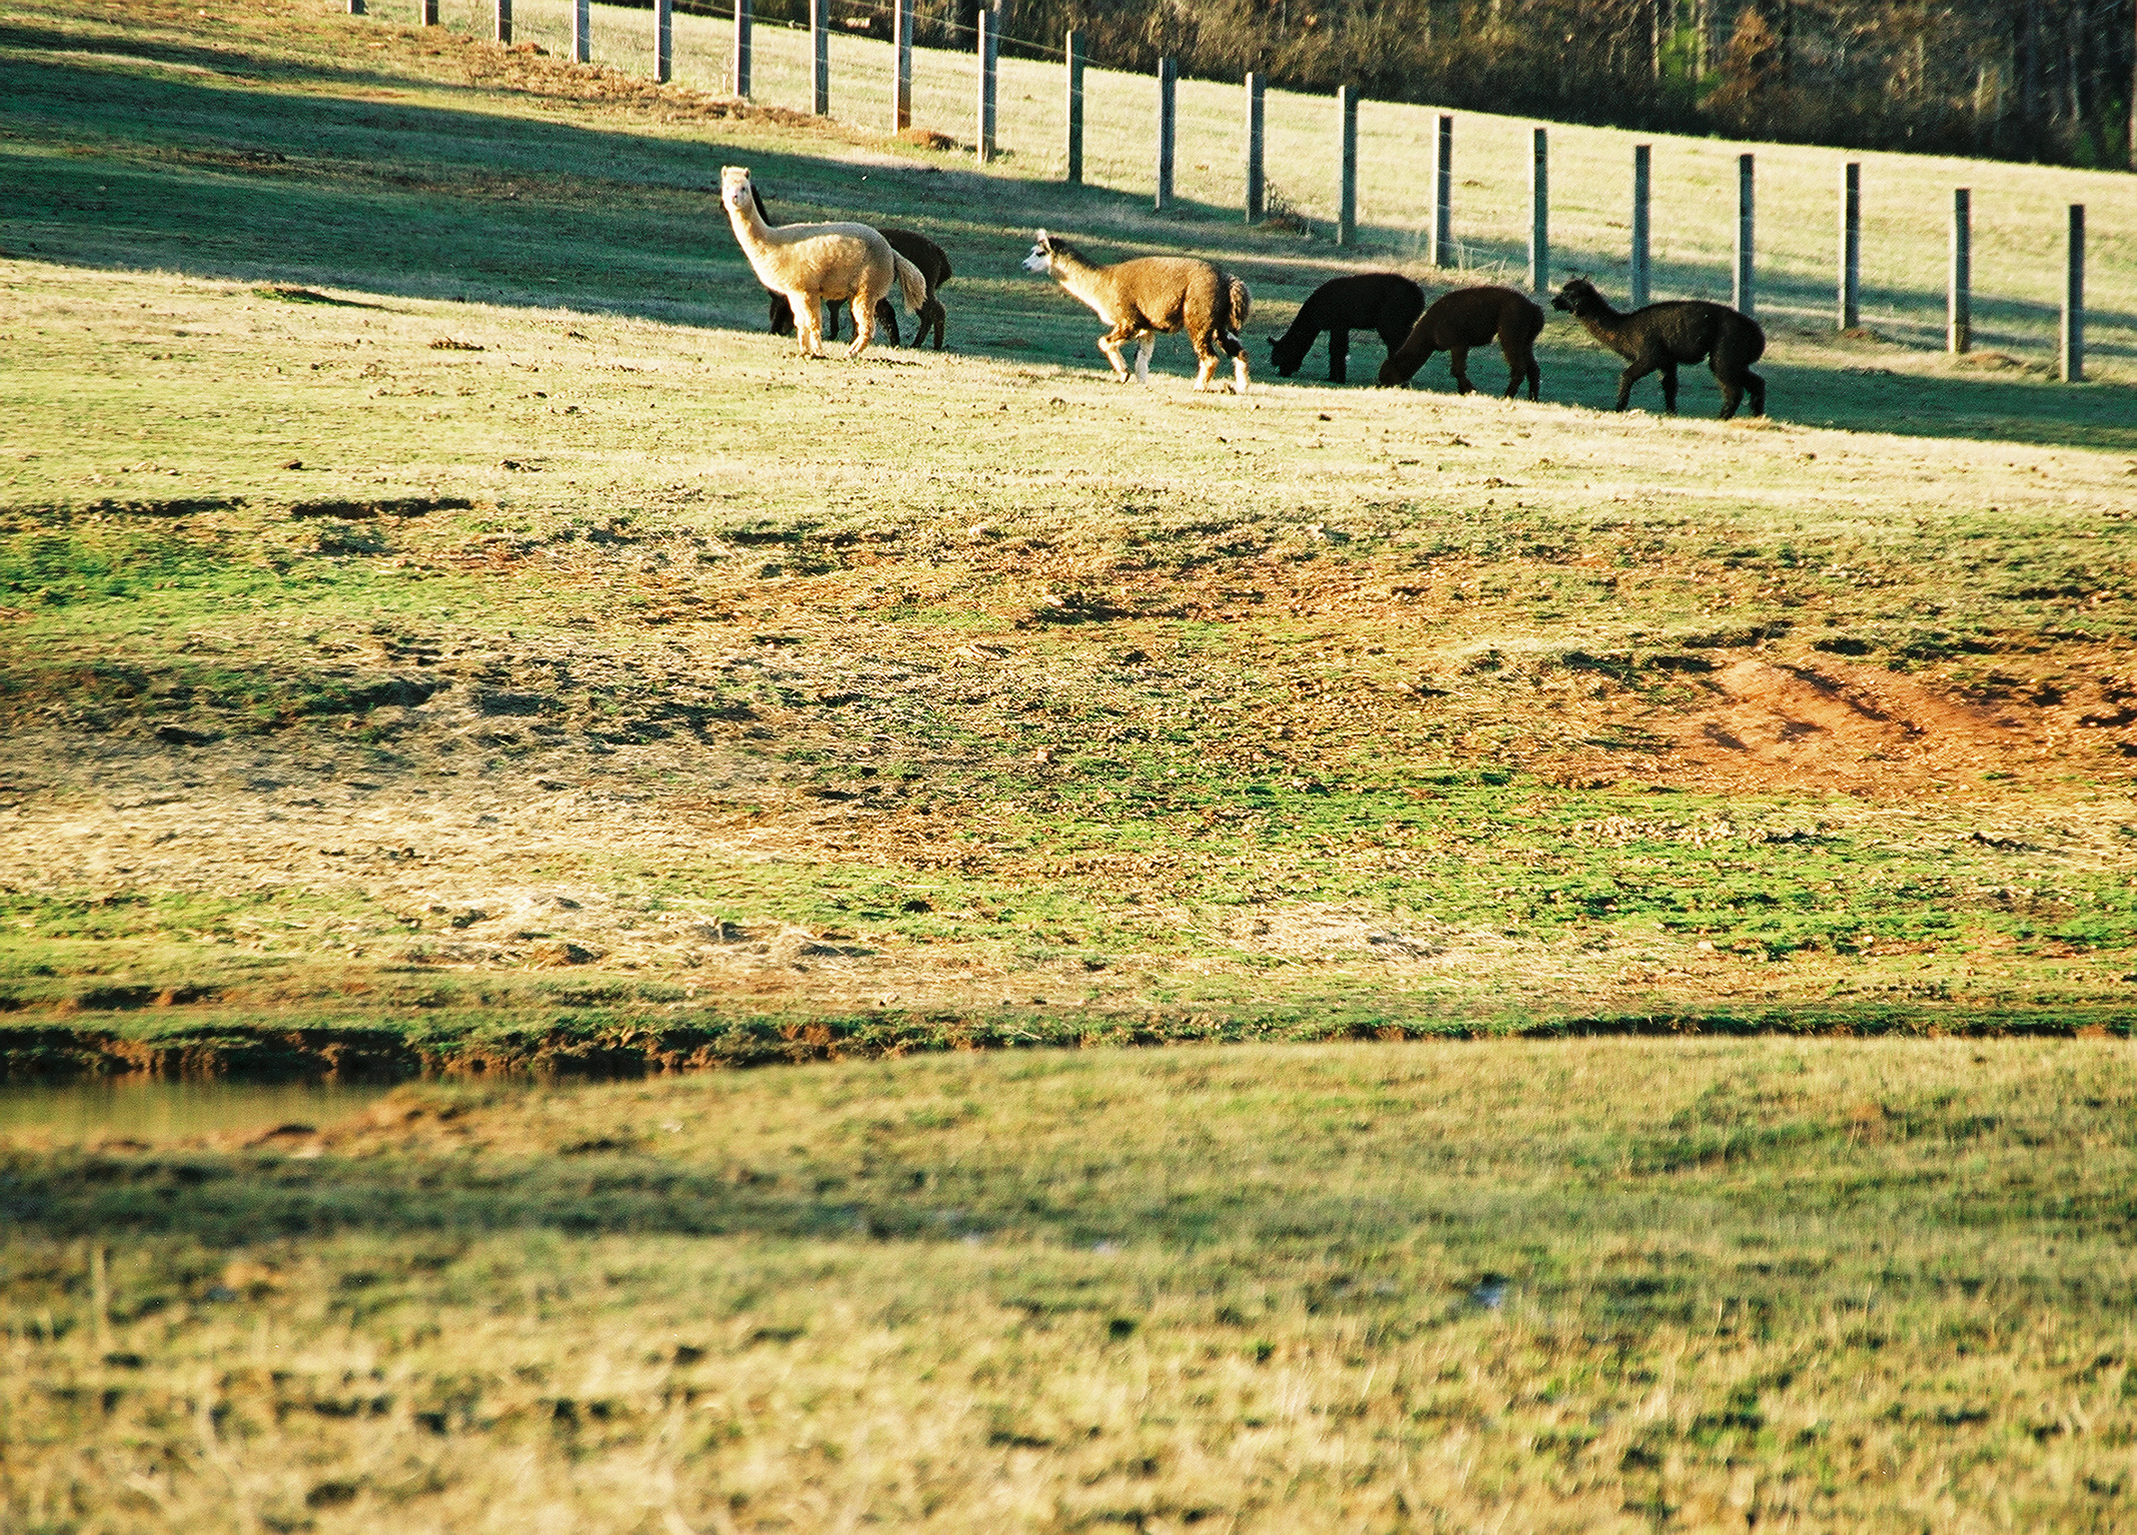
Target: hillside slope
441, 626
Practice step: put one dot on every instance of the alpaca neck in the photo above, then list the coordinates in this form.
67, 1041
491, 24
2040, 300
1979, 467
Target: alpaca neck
751, 230
1079, 277
1602, 320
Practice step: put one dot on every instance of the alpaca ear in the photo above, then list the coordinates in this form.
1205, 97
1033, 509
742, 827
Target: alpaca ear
1044, 237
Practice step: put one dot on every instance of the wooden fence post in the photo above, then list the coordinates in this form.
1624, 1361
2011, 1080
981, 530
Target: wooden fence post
426, 13
1443, 193
1959, 291
356, 8
1073, 51
2070, 351
1168, 74
901, 82
582, 43
820, 56
1540, 214
663, 41
1257, 186
739, 74
1347, 190
989, 38
1743, 295
1642, 191
1850, 309
504, 19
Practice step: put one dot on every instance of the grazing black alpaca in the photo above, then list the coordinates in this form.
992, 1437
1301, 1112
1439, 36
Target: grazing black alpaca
1659, 337
1471, 317
1377, 301
916, 248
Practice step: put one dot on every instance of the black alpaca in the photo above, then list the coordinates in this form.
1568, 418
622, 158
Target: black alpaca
1378, 301
1659, 337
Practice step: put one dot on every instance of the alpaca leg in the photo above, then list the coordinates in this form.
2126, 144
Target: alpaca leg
1757, 386
831, 320
933, 314
887, 316
1111, 347
1392, 340
1145, 345
1518, 362
864, 320
1205, 368
807, 328
1632, 375
1669, 387
1459, 356
1338, 356
782, 315
1238, 355
1535, 377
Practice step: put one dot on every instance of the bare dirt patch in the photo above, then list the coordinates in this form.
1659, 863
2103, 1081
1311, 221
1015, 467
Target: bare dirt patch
1792, 726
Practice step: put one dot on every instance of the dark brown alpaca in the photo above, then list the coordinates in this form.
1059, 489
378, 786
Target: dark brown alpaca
916, 248
1659, 337
1471, 317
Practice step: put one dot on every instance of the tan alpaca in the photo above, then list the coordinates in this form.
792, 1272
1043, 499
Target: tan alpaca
814, 263
1152, 293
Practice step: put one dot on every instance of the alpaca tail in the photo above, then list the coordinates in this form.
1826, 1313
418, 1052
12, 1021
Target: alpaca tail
910, 283
1242, 301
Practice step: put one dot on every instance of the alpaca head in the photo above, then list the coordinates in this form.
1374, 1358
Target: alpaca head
1041, 258
735, 190
1287, 359
1578, 296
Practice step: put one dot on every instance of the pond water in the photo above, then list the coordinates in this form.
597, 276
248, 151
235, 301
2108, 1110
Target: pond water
150, 1109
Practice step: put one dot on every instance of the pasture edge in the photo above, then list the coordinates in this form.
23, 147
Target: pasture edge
611, 1043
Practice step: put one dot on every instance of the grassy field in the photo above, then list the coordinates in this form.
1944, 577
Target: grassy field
2018, 210
439, 630
443, 627
1577, 1286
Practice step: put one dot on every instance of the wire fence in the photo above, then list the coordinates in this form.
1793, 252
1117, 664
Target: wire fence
2019, 212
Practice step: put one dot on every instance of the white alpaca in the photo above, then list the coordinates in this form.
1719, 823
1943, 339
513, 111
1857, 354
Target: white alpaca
812, 263
1139, 298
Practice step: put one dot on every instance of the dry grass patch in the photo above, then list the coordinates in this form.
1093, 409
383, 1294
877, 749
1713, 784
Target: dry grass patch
1569, 1287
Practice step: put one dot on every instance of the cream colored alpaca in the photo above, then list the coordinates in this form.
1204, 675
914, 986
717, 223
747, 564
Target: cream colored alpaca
813, 263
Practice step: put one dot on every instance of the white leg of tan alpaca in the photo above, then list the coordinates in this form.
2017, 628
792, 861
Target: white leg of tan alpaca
1145, 345
1111, 348
806, 323
1239, 375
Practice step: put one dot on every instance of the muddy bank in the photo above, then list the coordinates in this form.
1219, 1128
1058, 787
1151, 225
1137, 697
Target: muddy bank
261, 1050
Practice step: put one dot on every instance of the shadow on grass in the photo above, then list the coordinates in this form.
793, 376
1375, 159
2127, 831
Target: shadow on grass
869, 1181
218, 179
1862, 398
234, 62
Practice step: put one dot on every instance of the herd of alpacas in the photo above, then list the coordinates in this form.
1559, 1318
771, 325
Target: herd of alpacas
811, 269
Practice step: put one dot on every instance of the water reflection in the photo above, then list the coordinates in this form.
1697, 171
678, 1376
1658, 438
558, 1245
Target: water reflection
148, 1109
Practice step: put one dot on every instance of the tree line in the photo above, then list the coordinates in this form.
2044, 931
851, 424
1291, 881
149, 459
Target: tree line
2048, 80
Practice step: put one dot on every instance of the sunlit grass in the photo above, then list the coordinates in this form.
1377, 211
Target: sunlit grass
1568, 1287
